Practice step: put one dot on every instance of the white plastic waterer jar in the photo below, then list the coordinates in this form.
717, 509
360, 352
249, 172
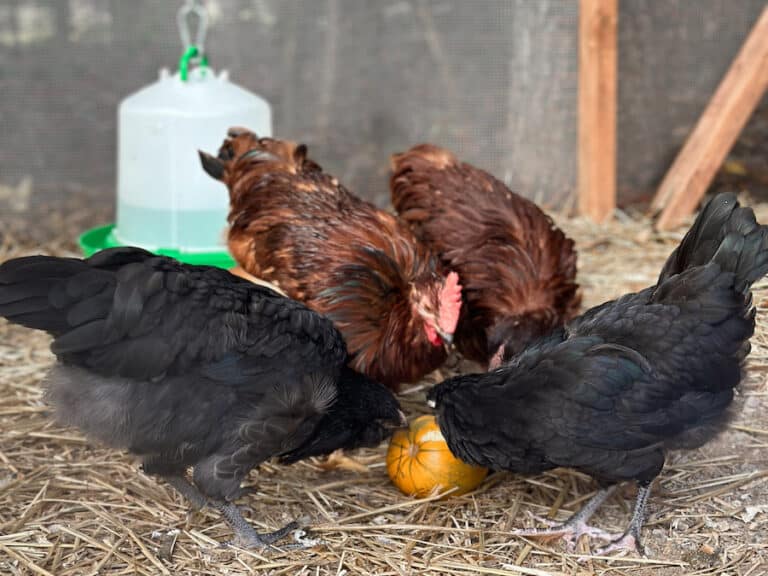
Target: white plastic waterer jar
164, 198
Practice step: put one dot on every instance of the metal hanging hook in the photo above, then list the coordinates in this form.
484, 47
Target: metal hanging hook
190, 10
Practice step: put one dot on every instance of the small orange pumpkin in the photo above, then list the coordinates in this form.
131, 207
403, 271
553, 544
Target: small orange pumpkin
419, 461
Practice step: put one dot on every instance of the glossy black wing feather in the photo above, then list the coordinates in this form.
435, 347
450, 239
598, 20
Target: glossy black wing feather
128, 313
629, 380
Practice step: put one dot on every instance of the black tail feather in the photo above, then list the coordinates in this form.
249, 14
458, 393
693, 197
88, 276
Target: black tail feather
745, 256
54, 294
29, 286
727, 234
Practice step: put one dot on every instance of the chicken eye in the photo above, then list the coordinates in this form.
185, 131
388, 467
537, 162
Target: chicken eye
226, 153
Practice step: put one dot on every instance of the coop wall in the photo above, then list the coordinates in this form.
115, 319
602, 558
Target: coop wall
357, 80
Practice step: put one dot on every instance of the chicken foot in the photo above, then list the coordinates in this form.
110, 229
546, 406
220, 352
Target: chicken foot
630, 540
576, 526
245, 535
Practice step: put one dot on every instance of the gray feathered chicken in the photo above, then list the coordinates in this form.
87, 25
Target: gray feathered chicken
190, 366
620, 385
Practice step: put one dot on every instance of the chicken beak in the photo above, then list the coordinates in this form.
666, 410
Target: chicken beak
446, 338
403, 419
497, 359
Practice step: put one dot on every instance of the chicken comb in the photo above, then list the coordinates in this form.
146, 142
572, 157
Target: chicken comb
422, 156
450, 303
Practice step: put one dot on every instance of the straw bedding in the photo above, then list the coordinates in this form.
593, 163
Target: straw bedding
69, 508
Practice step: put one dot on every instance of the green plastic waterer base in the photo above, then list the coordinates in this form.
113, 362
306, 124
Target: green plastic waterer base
95, 239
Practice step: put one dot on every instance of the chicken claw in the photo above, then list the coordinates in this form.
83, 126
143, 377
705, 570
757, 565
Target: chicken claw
624, 544
245, 535
570, 531
576, 526
630, 540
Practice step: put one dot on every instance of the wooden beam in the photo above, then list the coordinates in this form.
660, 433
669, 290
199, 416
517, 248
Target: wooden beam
597, 108
718, 127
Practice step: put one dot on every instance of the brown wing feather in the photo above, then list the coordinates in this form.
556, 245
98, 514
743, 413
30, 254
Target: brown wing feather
518, 269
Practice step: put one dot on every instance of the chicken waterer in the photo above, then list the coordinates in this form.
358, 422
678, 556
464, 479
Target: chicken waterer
166, 203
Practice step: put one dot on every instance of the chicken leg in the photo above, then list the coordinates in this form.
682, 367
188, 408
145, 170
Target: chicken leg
630, 540
576, 526
245, 535
188, 490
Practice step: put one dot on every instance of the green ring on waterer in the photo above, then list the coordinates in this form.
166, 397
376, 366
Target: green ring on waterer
101, 237
191, 53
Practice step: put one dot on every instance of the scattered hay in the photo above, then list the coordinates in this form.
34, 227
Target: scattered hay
68, 508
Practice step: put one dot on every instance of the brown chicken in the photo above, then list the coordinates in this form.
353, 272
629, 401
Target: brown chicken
517, 268
296, 226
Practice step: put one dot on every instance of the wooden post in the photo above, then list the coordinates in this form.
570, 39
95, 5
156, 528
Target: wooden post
597, 108
718, 127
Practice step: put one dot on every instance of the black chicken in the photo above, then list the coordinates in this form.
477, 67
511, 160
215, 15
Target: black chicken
190, 366
618, 386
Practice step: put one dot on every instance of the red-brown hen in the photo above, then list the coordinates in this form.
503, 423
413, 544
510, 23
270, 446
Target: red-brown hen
517, 268
296, 226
